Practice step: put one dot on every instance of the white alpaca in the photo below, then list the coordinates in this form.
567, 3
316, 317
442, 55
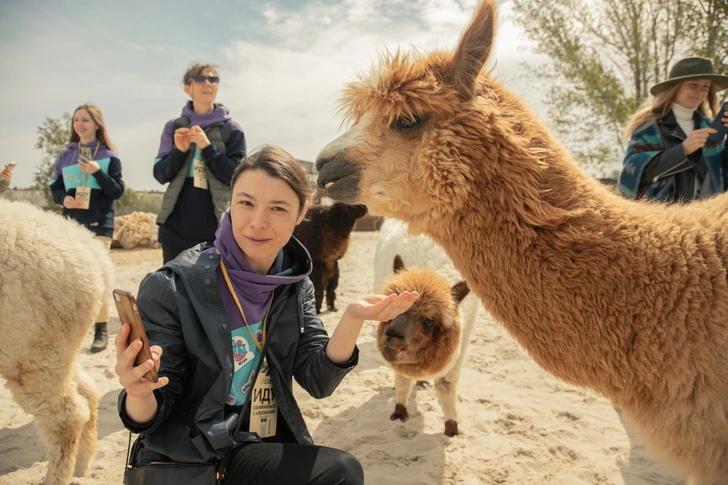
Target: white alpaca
423, 252
54, 277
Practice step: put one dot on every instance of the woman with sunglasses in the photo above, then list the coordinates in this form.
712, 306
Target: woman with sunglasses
197, 156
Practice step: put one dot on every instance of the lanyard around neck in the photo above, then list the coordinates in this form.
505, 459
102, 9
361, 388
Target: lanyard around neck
240, 307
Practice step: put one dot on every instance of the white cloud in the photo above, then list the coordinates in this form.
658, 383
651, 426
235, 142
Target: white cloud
285, 93
281, 78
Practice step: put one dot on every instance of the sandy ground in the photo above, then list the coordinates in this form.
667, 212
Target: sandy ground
519, 424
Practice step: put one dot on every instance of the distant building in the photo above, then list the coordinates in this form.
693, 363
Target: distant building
319, 195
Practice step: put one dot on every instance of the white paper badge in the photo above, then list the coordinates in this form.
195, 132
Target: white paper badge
200, 174
263, 406
83, 195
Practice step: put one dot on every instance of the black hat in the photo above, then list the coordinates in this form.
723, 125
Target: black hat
690, 68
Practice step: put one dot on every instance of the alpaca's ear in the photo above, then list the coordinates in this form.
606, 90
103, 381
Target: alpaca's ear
474, 49
460, 291
398, 264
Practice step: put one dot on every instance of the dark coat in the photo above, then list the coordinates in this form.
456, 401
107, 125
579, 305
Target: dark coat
656, 167
183, 313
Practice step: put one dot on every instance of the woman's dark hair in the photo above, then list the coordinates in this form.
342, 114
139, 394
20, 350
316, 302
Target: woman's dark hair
277, 163
95, 113
196, 68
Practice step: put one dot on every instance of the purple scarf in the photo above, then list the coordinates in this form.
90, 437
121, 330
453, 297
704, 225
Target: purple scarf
253, 289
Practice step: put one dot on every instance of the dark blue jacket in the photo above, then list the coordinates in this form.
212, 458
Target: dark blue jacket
106, 186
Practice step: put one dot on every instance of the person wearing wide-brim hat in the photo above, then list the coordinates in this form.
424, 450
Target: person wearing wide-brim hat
670, 156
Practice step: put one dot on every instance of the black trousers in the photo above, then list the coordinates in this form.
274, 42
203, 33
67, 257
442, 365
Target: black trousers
292, 464
169, 253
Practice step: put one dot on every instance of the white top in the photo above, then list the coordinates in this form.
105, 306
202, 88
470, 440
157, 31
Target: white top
684, 117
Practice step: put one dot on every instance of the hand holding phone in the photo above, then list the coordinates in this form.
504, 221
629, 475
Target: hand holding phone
718, 124
128, 310
8, 171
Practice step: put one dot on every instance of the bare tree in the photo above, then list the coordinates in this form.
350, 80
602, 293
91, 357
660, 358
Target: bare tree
606, 54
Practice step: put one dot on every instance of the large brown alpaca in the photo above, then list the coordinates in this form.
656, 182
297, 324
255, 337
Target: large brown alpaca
629, 299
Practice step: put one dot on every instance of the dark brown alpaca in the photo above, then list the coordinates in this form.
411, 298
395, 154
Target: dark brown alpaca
425, 341
325, 233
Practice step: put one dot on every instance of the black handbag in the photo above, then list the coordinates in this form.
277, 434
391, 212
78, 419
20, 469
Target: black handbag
174, 473
183, 473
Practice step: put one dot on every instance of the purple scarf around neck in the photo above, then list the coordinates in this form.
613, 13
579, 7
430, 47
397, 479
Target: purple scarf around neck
253, 289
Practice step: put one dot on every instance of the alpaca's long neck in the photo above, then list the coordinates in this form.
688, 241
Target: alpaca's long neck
540, 292
542, 259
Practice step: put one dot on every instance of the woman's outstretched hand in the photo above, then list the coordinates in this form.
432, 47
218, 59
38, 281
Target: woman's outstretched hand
373, 307
380, 307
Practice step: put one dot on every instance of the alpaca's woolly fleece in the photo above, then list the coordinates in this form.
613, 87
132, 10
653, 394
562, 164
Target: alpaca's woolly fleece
421, 252
54, 277
325, 232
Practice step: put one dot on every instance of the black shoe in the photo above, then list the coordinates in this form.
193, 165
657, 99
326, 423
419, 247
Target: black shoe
101, 338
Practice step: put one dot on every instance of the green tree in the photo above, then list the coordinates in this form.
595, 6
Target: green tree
138, 201
606, 54
53, 135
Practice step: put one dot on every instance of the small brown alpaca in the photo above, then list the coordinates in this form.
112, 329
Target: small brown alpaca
627, 298
424, 342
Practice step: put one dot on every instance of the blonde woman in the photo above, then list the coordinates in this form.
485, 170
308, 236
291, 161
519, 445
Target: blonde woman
669, 156
87, 183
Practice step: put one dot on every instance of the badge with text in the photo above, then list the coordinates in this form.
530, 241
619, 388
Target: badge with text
200, 173
263, 406
83, 197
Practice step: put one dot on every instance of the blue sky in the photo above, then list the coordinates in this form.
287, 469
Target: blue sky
283, 64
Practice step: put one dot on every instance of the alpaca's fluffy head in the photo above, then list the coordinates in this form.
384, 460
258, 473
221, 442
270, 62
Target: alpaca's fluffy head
428, 130
423, 341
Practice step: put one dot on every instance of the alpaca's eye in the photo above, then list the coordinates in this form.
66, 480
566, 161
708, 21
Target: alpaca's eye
428, 322
408, 122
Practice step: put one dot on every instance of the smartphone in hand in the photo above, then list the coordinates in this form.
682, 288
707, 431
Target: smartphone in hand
84, 152
718, 124
128, 310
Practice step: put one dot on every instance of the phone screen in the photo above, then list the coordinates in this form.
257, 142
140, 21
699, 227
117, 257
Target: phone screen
85, 152
129, 313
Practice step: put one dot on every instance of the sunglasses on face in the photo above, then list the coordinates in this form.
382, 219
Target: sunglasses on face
200, 79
